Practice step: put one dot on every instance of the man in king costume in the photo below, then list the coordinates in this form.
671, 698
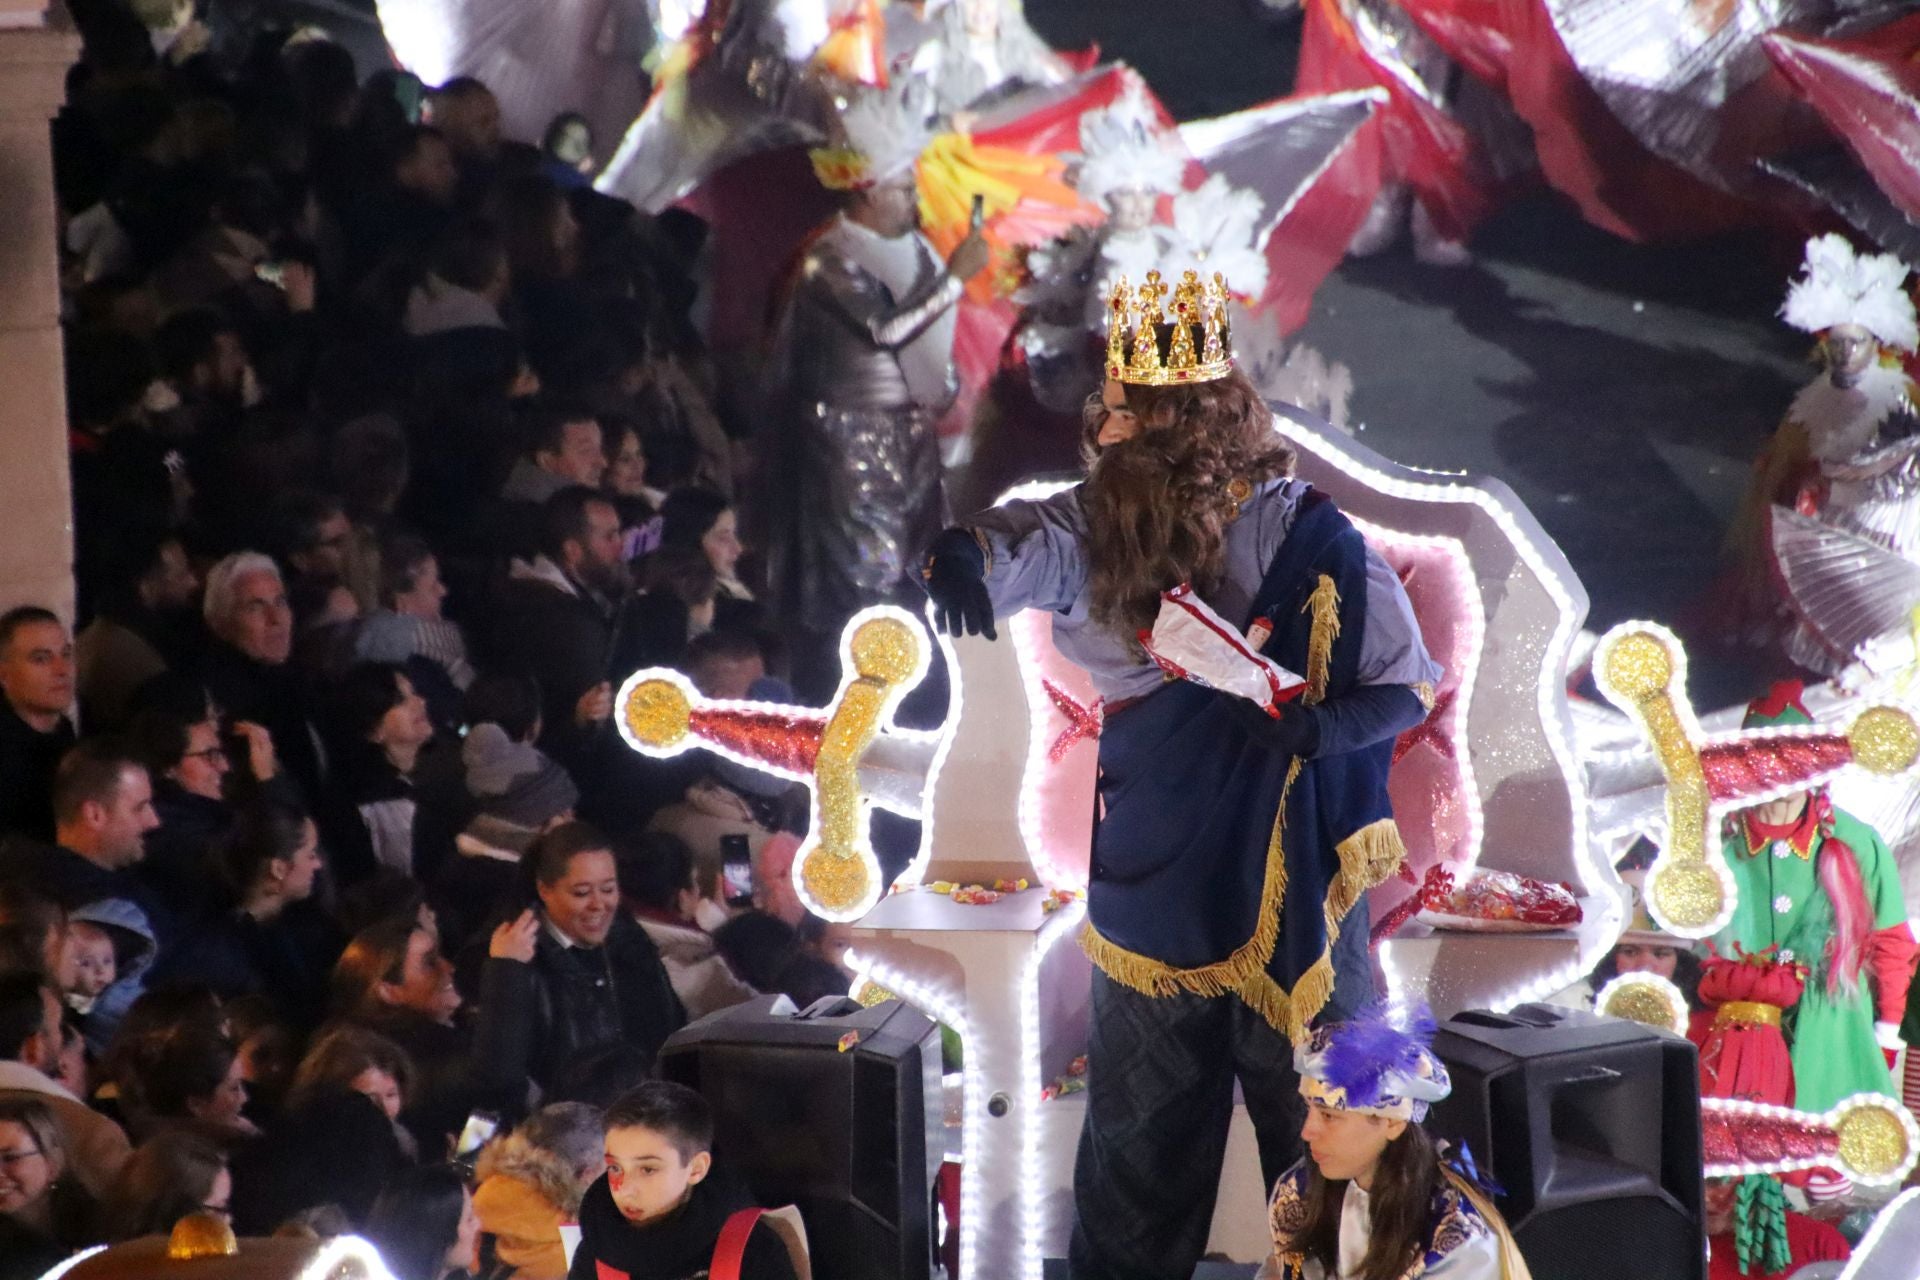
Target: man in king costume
1232, 849
865, 371
1818, 887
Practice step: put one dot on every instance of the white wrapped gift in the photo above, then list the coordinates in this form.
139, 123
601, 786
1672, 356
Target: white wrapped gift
1192, 642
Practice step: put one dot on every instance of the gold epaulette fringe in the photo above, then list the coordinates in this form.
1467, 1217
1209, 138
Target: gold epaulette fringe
1324, 604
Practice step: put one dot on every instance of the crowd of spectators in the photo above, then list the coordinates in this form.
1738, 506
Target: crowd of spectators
394, 449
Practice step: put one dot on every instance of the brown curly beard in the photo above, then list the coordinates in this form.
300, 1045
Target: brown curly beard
1158, 505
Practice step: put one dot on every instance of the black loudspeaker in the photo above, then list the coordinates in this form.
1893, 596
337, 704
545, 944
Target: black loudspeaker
837, 1109
1591, 1128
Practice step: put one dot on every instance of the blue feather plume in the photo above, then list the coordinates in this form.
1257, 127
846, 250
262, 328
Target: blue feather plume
1376, 1042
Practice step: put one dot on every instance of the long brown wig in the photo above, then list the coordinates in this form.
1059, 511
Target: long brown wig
1402, 1198
1158, 505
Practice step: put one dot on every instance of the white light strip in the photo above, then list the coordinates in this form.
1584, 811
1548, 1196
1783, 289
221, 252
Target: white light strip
1460, 565
941, 740
1550, 694
1830, 1120
1717, 809
346, 1255
956, 697
1906, 1204
1024, 632
65, 1265
1668, 993
1033, 1197
952, 1012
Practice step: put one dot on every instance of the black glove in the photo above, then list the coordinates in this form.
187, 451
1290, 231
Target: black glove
1295, 733
955, 576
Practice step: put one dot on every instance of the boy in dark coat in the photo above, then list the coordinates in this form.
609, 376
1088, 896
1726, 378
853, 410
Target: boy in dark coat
658, 1214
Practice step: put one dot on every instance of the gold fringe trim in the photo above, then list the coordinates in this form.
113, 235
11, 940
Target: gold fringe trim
1291, 1012
1152, 977
1367, 857
1324, 604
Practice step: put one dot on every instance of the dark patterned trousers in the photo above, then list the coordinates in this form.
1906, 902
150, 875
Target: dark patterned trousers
1160, 1073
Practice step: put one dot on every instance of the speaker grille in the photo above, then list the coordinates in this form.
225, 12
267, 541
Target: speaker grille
1602, 1239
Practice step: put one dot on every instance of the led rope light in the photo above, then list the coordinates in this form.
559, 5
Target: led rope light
942, 1008
1589, 861
1459, 566
1032, 1193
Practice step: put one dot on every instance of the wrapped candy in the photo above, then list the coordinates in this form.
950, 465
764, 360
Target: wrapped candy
1191, 642
1502, 902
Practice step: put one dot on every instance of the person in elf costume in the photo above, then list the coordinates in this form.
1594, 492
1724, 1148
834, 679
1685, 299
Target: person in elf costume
1233, 850
1346, 1210
1817, 887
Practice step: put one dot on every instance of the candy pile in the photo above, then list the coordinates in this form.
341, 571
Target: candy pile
1073, 1081
1498, 901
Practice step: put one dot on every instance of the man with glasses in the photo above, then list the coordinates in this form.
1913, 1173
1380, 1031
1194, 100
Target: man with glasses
193, 767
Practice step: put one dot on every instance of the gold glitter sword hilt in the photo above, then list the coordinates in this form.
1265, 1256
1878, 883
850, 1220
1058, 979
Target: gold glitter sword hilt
836, 867
1869, 1138
1641, 668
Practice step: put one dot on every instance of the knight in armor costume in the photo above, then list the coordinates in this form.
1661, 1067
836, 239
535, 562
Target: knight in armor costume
865, 371
1231, 852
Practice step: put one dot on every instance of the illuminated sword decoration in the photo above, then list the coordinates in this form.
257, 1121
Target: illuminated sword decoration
851, 755
1641, 668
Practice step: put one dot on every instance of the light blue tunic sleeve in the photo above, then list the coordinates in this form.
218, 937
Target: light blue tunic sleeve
1391, 650
1036, 552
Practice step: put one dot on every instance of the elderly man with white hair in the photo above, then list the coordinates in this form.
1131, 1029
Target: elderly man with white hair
246, 666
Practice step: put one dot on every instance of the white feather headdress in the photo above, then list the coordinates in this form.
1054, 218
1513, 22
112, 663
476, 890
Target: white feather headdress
1123, 147
1841, 287
1218, 225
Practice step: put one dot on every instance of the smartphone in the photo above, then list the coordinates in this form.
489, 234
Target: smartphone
736, 870
979, 217
479, 1130
273, 273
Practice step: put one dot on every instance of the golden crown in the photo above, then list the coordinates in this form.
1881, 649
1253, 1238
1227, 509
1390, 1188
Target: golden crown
1195, 348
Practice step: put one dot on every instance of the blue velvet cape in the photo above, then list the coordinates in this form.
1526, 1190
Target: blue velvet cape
1221, 866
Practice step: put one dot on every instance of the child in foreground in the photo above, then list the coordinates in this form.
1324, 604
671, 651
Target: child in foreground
1373, 1199
658, 1213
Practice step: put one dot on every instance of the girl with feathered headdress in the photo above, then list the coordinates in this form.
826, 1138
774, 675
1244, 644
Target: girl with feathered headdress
1374, 1199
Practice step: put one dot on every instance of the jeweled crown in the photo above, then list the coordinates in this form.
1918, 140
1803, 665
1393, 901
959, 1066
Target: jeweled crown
1154, 343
